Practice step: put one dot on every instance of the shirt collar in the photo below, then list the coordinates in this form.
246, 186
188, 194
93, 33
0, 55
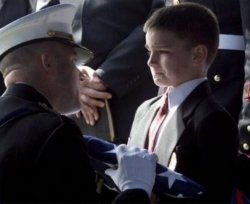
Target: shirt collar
178, 94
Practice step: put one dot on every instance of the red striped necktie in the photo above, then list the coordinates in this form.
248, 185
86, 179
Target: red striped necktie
156, 124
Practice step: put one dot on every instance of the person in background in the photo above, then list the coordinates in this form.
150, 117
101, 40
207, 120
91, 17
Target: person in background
43, 156
243, 179
188, 130
120, 60
11, 10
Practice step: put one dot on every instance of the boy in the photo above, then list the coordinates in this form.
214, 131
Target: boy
196, 137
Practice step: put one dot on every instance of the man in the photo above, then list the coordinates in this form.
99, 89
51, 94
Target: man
43, 157
197, 136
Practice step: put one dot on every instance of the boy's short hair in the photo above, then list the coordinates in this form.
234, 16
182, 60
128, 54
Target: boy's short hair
192, 22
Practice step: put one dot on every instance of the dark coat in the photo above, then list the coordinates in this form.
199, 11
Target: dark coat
113, 31
203, 136
244, 122
42, 155
10, 11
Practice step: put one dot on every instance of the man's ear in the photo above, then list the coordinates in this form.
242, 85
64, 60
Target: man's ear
199, 55
46, 62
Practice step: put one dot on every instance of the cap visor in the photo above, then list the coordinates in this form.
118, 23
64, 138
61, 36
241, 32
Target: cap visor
83, 55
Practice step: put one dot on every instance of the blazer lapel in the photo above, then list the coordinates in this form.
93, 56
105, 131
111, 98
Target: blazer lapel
174, 129
139, 132
201, 92
169, 137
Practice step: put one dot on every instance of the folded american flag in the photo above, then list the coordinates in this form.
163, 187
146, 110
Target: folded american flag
102, 156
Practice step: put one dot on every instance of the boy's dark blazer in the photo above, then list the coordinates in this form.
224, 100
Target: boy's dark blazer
203, 136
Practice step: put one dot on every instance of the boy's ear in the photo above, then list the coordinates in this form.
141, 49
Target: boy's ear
199, 54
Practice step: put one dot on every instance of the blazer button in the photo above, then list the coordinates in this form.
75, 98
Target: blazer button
86, 20
248, 128
217, 78
245, 146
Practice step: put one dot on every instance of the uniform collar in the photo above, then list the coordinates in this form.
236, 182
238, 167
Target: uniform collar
26, 92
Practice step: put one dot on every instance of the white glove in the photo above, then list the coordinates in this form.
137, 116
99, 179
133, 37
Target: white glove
136, 169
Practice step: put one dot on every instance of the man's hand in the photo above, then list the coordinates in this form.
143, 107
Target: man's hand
92, 95
136, 169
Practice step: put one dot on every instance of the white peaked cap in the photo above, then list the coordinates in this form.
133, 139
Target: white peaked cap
54, 22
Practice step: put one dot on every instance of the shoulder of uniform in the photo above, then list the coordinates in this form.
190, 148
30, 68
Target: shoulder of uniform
44, 108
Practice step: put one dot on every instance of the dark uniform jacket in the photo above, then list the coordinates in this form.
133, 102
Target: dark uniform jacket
204, 138
244, 122
42, 155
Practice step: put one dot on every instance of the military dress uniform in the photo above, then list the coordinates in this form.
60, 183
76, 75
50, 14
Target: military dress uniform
226, 74
35, 143
244, 122
43, 157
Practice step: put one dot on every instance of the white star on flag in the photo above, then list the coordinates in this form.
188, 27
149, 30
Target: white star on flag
172, 177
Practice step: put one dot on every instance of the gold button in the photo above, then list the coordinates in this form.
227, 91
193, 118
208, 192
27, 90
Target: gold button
245, 146
248, 128
217, 78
